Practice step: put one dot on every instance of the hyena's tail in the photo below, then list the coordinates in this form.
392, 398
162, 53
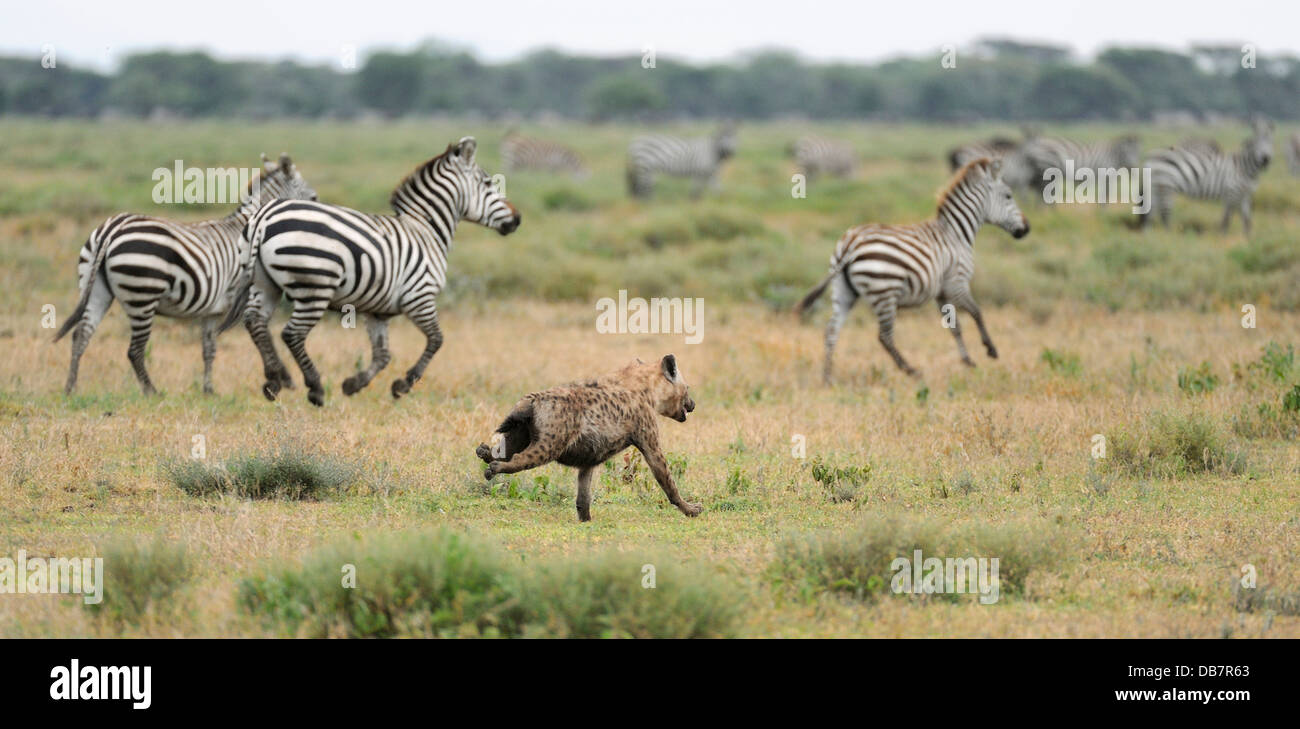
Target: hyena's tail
811, 298
514, 434
87, 286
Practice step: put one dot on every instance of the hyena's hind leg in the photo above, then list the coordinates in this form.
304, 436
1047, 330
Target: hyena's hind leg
377, 329
101, 297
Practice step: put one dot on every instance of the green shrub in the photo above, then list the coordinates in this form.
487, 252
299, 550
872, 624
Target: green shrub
1275, 362
444, 584
842, 484
142, 577
1197, 381
1174, 445
566, 198
1066, 363
285, 472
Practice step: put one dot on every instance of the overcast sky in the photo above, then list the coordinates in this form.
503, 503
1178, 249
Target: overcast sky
98, 33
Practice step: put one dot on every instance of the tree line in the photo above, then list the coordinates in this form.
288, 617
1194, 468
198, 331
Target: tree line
993, 79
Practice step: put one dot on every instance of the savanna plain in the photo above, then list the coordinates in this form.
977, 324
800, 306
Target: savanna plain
1129, 458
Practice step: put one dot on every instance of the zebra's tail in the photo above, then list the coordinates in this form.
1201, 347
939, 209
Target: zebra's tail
236, 310
811, 298
95, 264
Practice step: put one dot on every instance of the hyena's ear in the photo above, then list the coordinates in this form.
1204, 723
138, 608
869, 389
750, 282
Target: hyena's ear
669, 364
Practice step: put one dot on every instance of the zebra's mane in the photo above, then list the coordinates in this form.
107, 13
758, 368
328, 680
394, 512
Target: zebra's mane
959, 178
409, 181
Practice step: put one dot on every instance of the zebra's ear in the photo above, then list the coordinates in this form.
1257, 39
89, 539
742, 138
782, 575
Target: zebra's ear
995, 168
286, 164
465, 149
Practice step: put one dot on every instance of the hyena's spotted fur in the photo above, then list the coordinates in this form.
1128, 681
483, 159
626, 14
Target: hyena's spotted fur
583, 424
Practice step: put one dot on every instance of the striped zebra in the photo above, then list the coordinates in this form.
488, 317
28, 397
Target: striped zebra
158, 267
1055, 153
1017, 171
820, 156
328, 257
520, 153
898, 266
1202, 173
697, 158
994, 148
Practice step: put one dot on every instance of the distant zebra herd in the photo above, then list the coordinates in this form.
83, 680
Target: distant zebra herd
282, 242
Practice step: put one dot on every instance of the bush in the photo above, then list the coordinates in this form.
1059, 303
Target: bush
1170, 445
841, 484
1197, 381
141, 578
857, 562
443, 584
566, 198
1066, 363
285, 472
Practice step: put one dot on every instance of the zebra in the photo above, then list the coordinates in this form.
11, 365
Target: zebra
1200, 172
328, 257
1293, 154
698, 158
1054, 153
898, 266
994, 148
1017, 171
528, 153
817, 155
161, 267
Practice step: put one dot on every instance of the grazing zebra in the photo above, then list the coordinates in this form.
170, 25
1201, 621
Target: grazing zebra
1202, 173
327, 257
1017, 171
1293, 154
160, 267
1048, 153
896, 266
698, 158
540, 155
816, 156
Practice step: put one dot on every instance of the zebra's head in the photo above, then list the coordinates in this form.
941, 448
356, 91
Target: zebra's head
477, 198
1128, 151
1000, 206
1260, 145
724, 141
280, 180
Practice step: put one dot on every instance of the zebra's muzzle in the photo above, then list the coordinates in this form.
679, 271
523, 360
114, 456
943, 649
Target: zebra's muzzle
512, 224
1022, 232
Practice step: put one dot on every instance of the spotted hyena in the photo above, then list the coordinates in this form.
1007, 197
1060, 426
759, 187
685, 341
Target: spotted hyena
583, 424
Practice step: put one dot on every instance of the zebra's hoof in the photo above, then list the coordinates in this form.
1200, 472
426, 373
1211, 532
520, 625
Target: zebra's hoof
316, 397
400, 388
270, 389
968, 362
993, 352
286, 381
351, 386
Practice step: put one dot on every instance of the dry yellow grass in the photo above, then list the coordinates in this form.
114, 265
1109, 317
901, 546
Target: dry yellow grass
1008, 440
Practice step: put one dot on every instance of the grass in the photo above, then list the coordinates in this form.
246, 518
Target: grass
1191, 487
142, 579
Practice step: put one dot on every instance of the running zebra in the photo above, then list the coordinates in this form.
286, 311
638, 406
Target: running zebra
899, 266
1199, 172
817, 156
540, 155
159, 267
697, 158
328, 257
1055, 153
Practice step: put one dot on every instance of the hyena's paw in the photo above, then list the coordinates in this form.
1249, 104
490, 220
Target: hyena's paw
483, 452
400, 388
493, 469
690, 509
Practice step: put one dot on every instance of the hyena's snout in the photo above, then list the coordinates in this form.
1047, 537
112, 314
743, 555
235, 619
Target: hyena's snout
688, 406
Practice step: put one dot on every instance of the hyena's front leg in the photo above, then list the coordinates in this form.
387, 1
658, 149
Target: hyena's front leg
654, 458
584, 494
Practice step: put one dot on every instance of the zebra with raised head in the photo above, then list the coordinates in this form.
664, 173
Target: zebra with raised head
898, 266
327, 257
519, 153
158, 267
1055, 153
698, 158
1199, 172
820, 156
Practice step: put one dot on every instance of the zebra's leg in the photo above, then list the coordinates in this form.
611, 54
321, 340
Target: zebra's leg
101, 297
209, 350
943, 303
1227, 218
305, 316
377, 328
886, 309
1245, 214
257, 320
427, 320
1164, 204
843, 297
141, 324
966, 303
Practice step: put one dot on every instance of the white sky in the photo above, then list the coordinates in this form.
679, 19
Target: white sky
98, 32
